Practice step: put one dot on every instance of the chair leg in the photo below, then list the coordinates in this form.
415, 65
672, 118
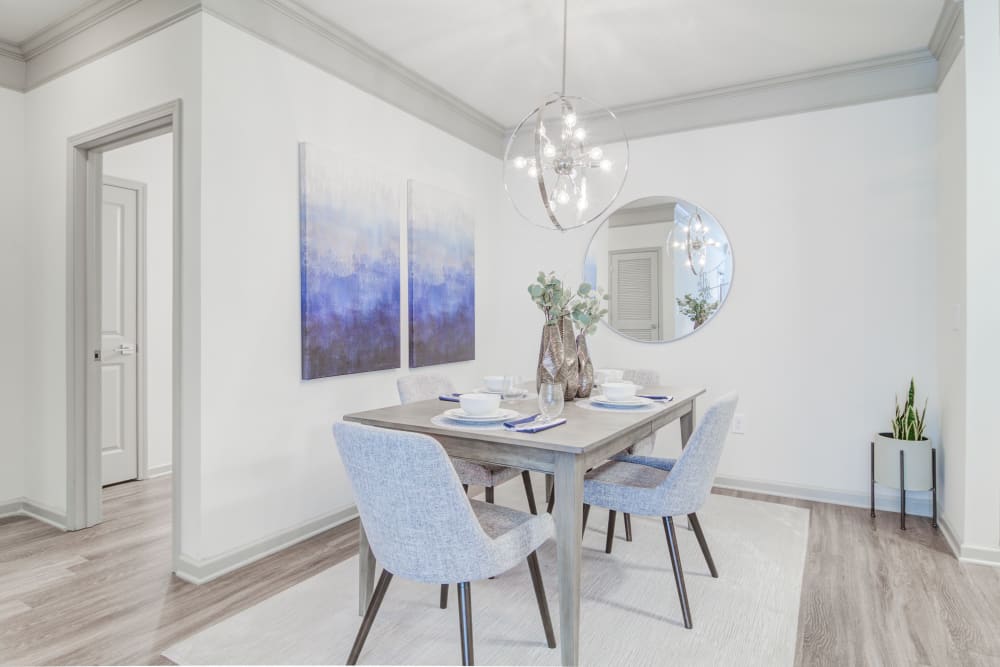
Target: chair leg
552, 499
489, 494
528, 491
675, 561
465, 621
696, 526
543, 603
366, 622
444, 596
586, 515
465, 487
628, 526
611, 531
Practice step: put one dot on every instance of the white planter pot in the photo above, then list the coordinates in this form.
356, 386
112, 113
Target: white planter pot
917, 462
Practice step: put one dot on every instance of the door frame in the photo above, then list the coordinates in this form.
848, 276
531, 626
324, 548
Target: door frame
142, 433
85, 180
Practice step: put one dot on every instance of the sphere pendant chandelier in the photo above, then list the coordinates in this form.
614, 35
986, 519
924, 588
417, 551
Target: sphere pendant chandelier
698, 244
566, 161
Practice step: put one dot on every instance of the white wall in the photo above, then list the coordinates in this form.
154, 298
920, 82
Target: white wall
158, 69
982, 71
269, 461
151, 162
951, 293
12, 295
832, 219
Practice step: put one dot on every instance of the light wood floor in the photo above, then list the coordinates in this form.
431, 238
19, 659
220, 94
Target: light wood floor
872, 595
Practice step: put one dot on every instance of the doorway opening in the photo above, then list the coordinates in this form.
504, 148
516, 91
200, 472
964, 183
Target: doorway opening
124, 312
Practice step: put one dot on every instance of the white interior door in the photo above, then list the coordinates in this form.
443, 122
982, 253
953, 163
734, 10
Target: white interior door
635, 293
119, 332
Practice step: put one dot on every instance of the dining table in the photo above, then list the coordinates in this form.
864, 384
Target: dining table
589, 437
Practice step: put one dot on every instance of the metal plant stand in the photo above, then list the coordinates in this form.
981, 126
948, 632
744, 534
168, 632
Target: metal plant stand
903, 489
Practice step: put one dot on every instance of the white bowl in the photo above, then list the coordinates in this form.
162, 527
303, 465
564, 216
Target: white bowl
618, 391
603, 375
493, 382
480, 405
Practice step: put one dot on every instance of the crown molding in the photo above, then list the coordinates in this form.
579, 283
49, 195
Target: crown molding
948, 37
12, 66
293, 28
96, 31
106, 25
901, 75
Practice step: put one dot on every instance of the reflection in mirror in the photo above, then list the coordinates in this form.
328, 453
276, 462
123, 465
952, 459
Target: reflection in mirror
667, 265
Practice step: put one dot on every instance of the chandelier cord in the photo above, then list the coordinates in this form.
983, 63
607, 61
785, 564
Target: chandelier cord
565, 13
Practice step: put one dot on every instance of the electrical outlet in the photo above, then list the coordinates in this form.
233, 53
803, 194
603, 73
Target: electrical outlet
739, 423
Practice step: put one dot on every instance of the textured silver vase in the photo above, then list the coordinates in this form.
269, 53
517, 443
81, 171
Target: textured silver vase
586, 367
550, 356
571, 365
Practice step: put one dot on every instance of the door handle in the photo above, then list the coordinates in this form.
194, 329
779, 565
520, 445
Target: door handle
125, 350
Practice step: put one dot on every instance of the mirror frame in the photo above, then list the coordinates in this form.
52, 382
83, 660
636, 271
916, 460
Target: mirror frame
732, 262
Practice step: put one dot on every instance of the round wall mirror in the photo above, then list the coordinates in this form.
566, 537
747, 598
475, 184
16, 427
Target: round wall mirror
666, 264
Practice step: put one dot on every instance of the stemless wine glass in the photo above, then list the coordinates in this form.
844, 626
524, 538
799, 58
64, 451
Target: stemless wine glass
550, 400
510, 388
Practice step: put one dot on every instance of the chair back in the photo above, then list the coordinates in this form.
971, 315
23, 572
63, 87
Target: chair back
644, 377
690, 480
422, 387
417, 517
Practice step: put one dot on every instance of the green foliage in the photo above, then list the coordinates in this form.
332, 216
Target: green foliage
556, 300
588, 309
697, 308
908, 424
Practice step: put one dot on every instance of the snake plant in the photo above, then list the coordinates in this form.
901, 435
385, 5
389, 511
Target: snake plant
908, 424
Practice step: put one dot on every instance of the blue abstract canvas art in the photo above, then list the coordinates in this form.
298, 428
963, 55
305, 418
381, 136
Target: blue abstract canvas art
350, 265
442, 254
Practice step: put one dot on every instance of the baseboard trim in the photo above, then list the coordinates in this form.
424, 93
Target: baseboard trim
949, 537
915, 505
158, 471
200, 571
25, 507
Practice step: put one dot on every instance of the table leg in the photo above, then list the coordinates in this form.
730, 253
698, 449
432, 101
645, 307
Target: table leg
569, 524
366, 570
687, 426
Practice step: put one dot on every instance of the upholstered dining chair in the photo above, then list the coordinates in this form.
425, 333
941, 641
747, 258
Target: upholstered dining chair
667, 488
422, 526
425, 386
644, 377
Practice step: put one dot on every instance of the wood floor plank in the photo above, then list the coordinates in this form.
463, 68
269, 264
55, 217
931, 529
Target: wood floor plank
871, 594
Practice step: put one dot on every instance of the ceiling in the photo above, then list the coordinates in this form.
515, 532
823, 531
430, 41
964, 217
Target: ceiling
21, 19
502, 58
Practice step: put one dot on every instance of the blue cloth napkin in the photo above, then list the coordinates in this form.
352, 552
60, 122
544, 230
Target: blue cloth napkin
534, 427
656, 397
453, 398
523, 420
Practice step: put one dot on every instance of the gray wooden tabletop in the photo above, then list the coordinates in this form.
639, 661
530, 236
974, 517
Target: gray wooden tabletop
584, 428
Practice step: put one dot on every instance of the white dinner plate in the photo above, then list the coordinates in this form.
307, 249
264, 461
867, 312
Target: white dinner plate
458, 414
631, 402
522, 393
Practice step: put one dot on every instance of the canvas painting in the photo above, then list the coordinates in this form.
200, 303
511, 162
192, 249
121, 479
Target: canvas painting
350, 265
442, 276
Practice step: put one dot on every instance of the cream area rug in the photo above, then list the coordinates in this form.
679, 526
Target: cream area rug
629, 612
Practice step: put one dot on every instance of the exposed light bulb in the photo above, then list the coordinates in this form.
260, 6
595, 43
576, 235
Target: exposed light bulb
569, 119
520, 162
533, 171
562, 197
549, 150
685, 229
606, 165
579, 134
596, 153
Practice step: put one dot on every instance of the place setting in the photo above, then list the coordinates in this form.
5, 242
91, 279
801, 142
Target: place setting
611, 392
482, 410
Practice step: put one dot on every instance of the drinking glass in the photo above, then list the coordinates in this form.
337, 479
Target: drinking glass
510, 388
550, 400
